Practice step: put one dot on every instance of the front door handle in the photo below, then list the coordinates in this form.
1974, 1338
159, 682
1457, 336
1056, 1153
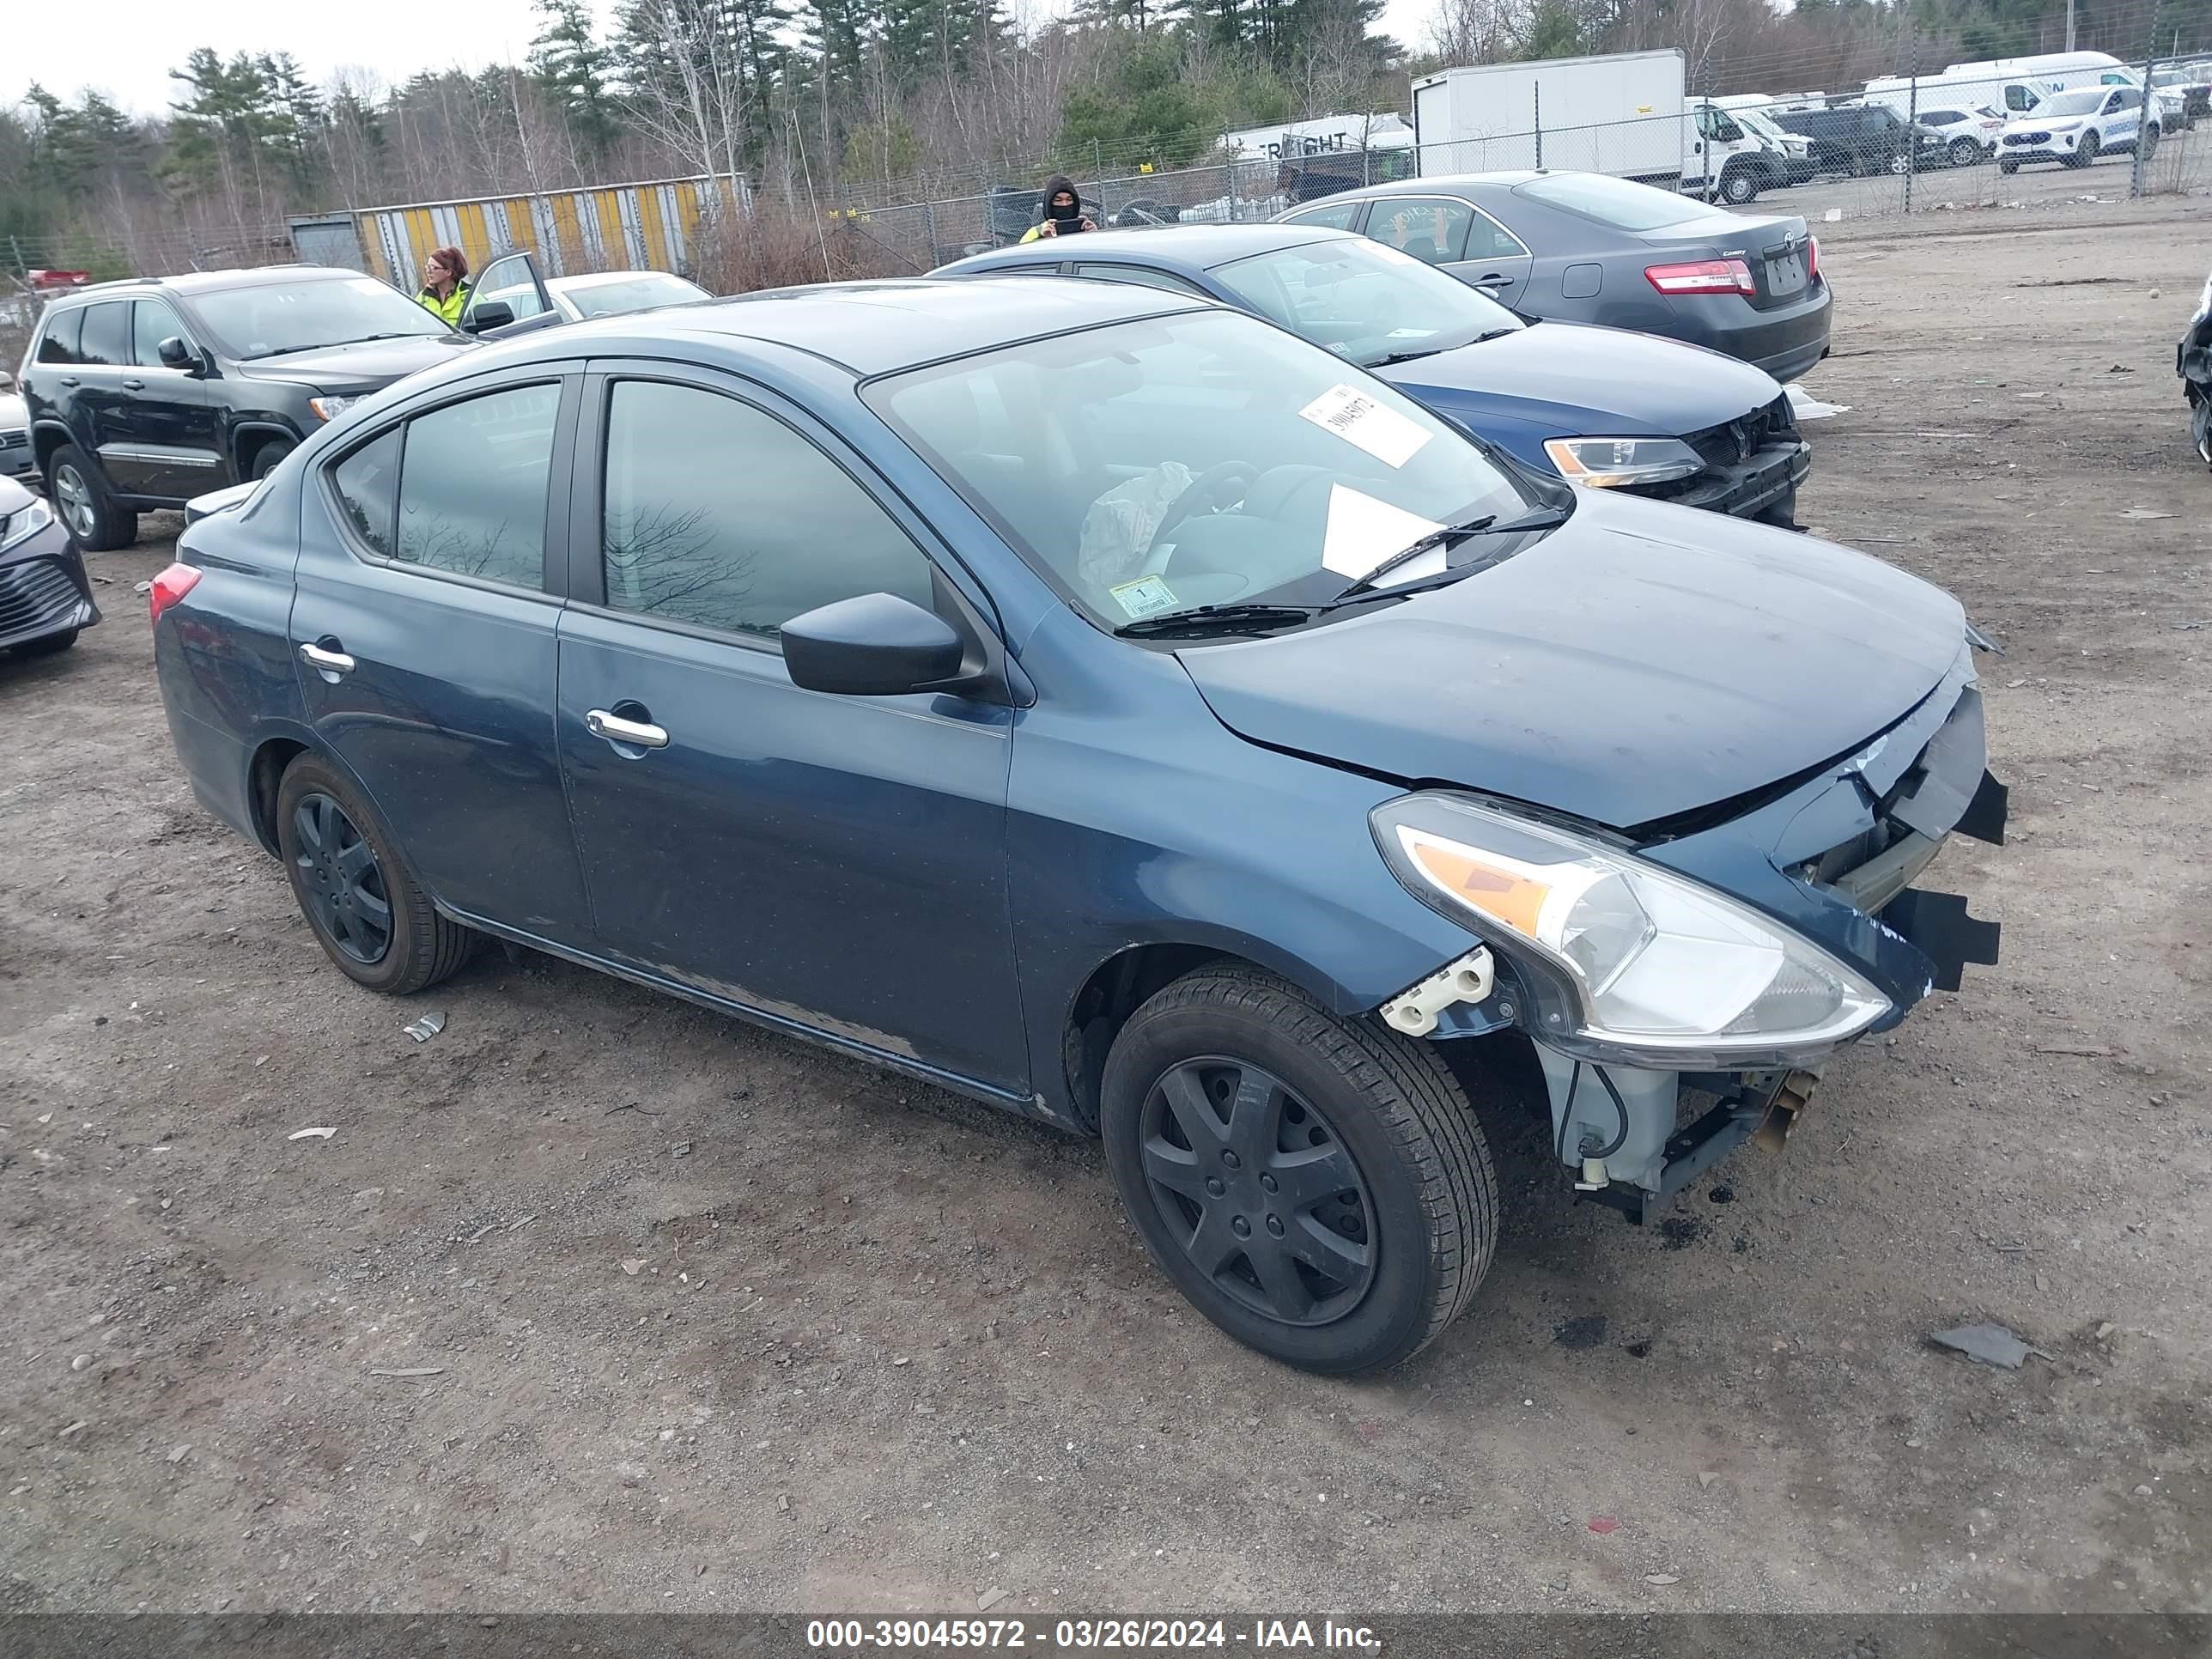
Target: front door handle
134, 386
70, 379
331, 662
615, 729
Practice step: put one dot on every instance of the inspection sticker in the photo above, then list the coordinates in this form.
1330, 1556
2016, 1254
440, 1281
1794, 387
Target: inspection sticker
1360, 419
1146, 596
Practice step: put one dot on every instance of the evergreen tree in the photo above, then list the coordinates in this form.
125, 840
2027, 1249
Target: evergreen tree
575, 68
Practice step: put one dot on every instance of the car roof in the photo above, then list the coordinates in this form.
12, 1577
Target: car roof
875, 327
604, 278
189, 283
1438, 184
1196, 248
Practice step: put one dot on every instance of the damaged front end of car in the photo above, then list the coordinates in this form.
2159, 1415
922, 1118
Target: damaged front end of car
1684, 982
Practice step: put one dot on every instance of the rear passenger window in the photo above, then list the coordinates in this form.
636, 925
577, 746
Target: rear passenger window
368, 486
60, 341
106, 342
472, 482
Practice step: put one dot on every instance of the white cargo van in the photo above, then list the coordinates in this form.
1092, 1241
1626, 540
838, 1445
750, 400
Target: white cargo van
2012, 85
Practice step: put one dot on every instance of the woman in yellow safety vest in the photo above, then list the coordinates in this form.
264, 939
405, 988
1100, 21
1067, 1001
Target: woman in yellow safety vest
445, 289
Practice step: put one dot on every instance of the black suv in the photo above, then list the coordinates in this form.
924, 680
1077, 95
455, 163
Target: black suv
1862, 138
147, 392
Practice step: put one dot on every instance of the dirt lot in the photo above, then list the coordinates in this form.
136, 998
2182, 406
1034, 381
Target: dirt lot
883, 1350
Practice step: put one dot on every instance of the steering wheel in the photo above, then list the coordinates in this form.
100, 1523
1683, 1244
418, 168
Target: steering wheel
1202, 489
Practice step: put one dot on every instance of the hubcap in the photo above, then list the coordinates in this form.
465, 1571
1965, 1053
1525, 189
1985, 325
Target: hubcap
77, 501
340, 880
1258, 1191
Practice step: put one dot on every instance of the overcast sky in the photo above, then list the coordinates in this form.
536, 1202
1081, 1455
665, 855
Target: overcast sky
126, 48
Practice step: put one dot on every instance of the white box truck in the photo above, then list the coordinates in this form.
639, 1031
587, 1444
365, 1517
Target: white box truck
1626, 114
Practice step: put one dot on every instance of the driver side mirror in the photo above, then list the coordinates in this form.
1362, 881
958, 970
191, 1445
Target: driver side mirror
175, 354
1727, 132
492, 313
875, 645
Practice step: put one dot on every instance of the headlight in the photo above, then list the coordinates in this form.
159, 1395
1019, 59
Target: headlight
330, 409
1625, 955
19, 527
1606, 462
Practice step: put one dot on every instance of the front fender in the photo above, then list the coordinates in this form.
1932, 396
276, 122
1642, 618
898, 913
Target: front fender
1136, 817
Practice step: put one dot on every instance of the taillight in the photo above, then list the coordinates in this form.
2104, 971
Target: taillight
172, 584
1703, 276
1812, 257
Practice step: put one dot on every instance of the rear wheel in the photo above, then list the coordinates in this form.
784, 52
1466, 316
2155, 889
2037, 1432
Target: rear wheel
80, 495
2201, 428
1966, 153
1317, 1188
2008, 165
368, 912
2151, 133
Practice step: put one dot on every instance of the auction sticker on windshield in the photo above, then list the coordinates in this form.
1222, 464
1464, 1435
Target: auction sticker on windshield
1361, 420
1146, 596
1363, 532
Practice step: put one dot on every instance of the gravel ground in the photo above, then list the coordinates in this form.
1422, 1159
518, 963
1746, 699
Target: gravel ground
713, 1320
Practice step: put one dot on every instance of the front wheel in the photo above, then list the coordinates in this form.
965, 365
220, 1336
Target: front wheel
265, 463
50, 645
1317, 1188
367, 910
1738, 187
2086, 154
2008, 165
1899, 166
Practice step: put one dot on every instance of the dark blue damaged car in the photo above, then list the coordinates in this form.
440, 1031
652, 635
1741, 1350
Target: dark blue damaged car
1606, 407
1116, 709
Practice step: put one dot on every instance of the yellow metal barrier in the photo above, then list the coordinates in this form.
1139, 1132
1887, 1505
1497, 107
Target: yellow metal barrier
653, 225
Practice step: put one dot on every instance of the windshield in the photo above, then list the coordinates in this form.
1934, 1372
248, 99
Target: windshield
271, 318
639, 293
1758, 123
1615, 202
2083, 102
1200, 459
1364, 301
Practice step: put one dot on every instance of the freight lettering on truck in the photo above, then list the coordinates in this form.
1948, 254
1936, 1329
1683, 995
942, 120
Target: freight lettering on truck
1296, 145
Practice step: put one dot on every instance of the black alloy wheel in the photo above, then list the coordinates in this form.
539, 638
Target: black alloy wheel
1259, 1190
337, 866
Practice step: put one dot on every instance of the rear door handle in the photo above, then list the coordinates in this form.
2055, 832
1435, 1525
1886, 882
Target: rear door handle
134, 386
615, 729
331, 662
70, 379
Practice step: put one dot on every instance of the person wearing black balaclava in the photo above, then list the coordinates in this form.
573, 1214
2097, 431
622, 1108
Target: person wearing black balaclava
1063, 212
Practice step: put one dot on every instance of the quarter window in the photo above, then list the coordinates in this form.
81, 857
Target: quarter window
472, 482
60, 343
368, 485
720, 516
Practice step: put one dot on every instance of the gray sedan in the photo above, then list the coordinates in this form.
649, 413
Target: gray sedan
1581, 247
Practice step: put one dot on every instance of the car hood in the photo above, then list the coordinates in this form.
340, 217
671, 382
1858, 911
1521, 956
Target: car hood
14, 412
367, 364
1589, 382
1639, 662
13, 497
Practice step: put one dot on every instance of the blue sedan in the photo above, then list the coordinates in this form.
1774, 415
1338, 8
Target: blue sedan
1603, 406
1114, 708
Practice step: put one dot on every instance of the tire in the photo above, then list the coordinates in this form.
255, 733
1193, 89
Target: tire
80, 494
2008, 165
1382, 1274
1900, 165
1966, 153
2149, 140
266, 457
2086, 154
52, 645
1739, 186
322, 825
2200, 429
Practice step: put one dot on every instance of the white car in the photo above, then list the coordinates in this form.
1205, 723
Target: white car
1970, 135
15, 461
2073, 128
511, 282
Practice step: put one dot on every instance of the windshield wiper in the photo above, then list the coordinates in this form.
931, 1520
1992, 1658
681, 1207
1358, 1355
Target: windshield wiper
1396, 357
333, 345
1487, 525
1224, 618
